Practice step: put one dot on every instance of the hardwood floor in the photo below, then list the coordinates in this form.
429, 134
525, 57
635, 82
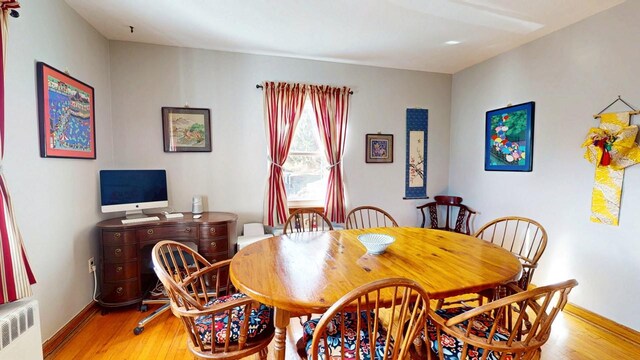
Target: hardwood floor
110, 337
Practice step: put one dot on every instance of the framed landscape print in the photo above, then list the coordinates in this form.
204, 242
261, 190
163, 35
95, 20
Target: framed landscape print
509, 138
379, 148
186, 129
66, 113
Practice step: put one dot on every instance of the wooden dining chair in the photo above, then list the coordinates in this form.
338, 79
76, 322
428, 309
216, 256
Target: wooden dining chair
306, 220
361, 324
446, 206
364, 217
524, 238
514, 327
213, 315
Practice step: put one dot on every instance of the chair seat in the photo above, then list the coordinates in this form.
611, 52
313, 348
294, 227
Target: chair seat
452, 347
259, 321
334, 338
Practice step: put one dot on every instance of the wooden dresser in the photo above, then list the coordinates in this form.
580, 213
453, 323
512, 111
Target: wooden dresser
125, 271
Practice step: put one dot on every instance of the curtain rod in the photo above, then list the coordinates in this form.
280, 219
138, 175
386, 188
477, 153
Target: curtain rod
258, 86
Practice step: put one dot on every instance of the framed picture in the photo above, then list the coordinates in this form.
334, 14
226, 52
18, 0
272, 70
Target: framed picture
186, 129
379, 148
509, 138
67, 115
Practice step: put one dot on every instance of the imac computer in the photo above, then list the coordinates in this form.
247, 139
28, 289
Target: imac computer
133, 191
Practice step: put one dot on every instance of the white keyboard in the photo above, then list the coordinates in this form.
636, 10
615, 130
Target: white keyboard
140, 220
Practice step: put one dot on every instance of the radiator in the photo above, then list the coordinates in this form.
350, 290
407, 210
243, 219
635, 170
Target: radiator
20, 337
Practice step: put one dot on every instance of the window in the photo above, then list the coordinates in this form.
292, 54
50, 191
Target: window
305, 171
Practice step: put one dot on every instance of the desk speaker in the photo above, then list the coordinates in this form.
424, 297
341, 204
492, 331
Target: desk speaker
196, 205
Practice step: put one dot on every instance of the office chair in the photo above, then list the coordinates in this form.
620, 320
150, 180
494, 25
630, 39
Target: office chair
157, 312
162, 300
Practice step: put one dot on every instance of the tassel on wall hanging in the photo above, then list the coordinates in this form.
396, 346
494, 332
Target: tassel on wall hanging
611, 147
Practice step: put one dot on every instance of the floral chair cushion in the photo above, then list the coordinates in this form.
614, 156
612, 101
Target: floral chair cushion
334, 338
259, 320
452, 347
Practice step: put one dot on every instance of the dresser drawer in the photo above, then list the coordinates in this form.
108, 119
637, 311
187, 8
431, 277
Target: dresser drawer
181, 232
120, 291
115, 238
213, 231
215, 257
118, 254
212, 246
224, 272
120, 271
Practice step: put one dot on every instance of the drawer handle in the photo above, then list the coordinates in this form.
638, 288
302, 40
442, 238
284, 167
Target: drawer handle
119, 290
117, 235
150, 231
213, 244
117, 252
187, 229
119, 269
212, 230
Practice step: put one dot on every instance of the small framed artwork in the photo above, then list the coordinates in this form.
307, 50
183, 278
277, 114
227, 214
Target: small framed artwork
66, 113
509, 138
379, 148
186, 129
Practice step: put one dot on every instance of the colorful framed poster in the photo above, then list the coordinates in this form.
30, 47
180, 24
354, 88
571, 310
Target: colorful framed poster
379, 148
509, 138
186, 129
416, 166
67, 115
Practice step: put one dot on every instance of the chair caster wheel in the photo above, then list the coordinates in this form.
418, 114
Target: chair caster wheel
144, 308
138, 330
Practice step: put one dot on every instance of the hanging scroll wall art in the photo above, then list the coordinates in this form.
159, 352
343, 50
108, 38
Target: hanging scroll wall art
611, 147
416, 165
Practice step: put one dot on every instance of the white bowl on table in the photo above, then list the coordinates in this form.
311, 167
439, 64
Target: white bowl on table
376, 243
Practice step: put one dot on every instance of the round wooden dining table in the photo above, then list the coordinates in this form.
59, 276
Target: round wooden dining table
307, 272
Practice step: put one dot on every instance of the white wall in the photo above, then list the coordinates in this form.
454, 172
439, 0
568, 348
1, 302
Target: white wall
55, 200
571, 75
145, 78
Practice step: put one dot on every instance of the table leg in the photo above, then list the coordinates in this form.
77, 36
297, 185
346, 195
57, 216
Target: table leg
281, 321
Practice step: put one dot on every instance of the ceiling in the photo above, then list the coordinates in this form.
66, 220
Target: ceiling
403, 34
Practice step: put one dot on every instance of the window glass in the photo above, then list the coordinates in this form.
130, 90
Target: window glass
305, 173
306, 137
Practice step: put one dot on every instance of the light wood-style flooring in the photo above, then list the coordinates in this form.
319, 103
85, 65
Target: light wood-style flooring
110, 337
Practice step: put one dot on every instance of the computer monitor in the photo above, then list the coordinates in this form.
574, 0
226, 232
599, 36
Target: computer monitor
133, 191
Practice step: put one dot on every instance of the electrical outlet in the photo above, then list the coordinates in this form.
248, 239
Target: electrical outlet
92, 265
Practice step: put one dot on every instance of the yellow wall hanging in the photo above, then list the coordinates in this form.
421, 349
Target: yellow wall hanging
611, 147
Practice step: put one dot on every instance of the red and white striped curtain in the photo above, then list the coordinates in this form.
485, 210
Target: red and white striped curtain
15, 273
282, 109
331, 106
